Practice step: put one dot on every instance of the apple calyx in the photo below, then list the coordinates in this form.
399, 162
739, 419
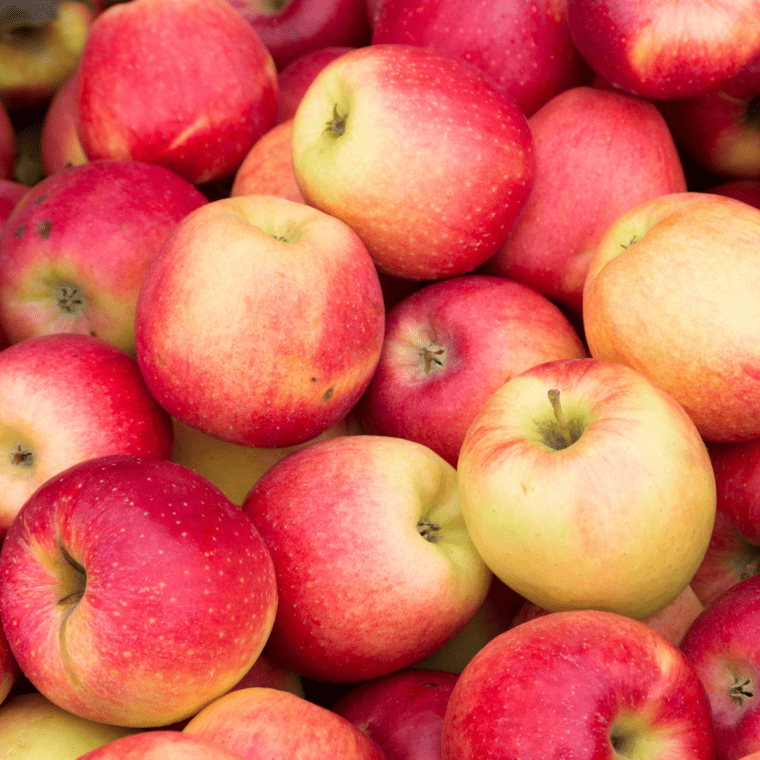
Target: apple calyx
741, 691
70, 299
432, 357
337, 125
22, 456
428, 530
72, 582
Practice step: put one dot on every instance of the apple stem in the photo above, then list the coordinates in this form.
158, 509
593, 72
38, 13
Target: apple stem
560, 415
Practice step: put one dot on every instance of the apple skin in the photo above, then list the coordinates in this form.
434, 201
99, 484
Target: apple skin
302, 324
403, 711
261, 723
671, 290
160, 745
407, 123
570, 526
745, 190
452, 344
11, 193
722, 645
665, 50
373, 562
146, 92
153, 593
8, 147
74, 253
541, 61
65, 399
60, 144
578, 684
598, 154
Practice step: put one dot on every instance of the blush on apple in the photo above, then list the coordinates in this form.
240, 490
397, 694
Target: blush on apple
60, 145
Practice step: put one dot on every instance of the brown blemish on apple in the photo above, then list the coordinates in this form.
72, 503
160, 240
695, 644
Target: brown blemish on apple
741, 691
43, 227
327, 395
20, 230
41, 199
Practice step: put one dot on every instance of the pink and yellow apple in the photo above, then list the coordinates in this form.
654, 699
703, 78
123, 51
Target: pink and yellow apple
160, 745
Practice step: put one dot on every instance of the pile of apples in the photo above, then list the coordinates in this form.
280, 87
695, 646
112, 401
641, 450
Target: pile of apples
380, 380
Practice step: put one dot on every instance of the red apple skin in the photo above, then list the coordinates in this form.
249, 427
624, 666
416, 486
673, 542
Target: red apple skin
665, 50
745, 190
449, 346
60, 144
598, 154
525, 50
261, 724
8, 146
723, 646
172, 603
9, 670
403, 711
294, 28
10, 194
77, 247
296, 77
577, 682
160, 745
146, 92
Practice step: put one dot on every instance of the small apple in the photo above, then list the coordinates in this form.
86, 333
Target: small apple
160, 745
418, 153
152, 593
59, 142
585, 485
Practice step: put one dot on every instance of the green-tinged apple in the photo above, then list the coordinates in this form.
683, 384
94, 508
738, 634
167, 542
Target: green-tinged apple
33, 728
74, 253
260, 321
579, 684
133, 591
161, 745
264, 724
663, 50
449, 346
65, 399
374, 564
418, 152
186, 84
59, 143
8, 147
672, 291
723, 646
585, 485
525, 48
598, 154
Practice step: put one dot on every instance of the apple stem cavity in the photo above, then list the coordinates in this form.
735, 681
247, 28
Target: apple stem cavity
562, 421
337, 125
432, 356
741, 691
428, 530
70, 299
75, 581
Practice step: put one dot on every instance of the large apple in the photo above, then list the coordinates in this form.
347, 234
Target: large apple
584, 484
59, 143
186, 84
373, 561
75, 250
449, 346
418, 153
672, 291
260, 321
525, 48
665, 50
598, 154
133, 591
578, 684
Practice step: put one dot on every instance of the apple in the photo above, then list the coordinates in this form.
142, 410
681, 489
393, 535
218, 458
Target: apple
418, 153
722, 645
186, 84
8, 147
580, 684
525, 48
160, 745
9, 670
11, 193
261, 724
76, 248
33, 728
403, 711
665, 50
153, 593
672, 291
260, 321
585, 485
59, 142
598, 153
40, 47
373, 561
449, 346
746, 190
292, 28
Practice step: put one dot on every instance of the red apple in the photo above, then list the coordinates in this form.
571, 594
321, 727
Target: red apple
264, 724
152, 594
7, 145
418, 153
292, 28
580, 684
186, 84
449, 347
160, 745
724, 647
746, 190
60, 143
374, 565
665, 50
598, 154
672, 291
525, 48
10, 194
75, 250
585, 485
260, 321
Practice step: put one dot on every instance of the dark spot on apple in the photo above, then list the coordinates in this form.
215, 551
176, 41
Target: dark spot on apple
314, 379
20, 230
41, 199
327, 395
44, 226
